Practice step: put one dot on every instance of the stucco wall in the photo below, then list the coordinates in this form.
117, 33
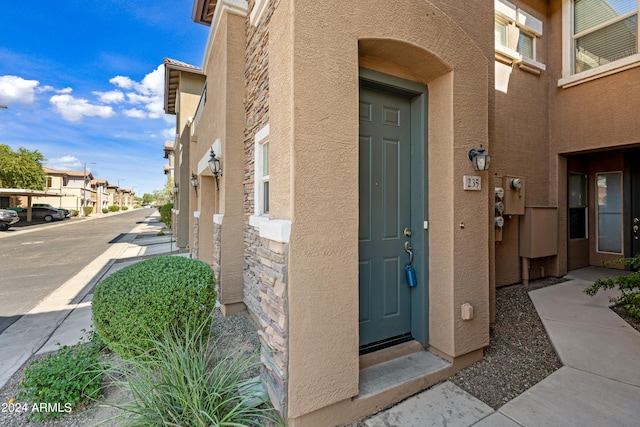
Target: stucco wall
189, 92
313, 117
589, 117
265, 261
521, 141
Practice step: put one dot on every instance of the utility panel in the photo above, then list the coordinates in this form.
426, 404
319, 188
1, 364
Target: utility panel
539, 232
513, 195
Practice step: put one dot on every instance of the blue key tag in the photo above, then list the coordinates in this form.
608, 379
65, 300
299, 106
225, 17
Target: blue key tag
412, 281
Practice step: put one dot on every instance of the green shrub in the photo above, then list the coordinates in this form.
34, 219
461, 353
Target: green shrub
75, 212
185, 382
629, 286
165, 213
69, 377
125, 208
114, 208
146, 297
88, 210
105, 210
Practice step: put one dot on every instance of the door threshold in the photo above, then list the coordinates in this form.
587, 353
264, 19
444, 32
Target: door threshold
414, 371
390, 353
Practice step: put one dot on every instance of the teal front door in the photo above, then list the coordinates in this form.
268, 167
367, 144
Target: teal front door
385, 213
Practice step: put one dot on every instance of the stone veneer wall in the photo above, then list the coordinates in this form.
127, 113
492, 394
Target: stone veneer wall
265, 270
215, 262
194, 249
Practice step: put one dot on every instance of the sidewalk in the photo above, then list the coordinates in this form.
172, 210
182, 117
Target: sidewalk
599, 384
66, 313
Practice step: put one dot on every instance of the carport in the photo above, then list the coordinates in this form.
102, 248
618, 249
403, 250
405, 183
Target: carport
23, 192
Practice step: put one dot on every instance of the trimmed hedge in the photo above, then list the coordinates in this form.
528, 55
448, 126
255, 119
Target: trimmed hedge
114, 208
140, 301
165, 214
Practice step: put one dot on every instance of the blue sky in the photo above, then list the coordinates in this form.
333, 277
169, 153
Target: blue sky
84, 82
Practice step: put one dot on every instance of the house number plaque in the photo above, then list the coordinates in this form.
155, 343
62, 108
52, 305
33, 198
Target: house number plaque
471, 182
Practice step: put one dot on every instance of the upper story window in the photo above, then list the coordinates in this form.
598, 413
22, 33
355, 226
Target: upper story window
516, 33
600, 37
604, 31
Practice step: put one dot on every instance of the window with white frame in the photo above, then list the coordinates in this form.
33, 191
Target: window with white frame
516, 33
578, 206
265, 177
603, 31
609, 212
261, 165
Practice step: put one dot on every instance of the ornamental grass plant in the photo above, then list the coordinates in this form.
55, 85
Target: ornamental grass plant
183, 380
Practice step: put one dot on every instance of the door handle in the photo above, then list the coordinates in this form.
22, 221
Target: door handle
407, 249
635, 228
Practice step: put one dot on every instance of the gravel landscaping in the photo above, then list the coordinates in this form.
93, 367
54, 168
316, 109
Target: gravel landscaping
519, 355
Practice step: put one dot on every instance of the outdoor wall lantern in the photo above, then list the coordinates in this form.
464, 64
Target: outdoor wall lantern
479, 158
214, 165
175, 188
194, 182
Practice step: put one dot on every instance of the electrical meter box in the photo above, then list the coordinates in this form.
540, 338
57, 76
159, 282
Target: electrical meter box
513, 195
539, 232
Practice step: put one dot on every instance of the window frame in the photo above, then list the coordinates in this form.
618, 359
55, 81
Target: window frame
264, 177
569, 77
261, 140
620, 213
516, 22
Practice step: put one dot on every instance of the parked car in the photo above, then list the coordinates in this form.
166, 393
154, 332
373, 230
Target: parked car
8, 218
45, 214
66, 212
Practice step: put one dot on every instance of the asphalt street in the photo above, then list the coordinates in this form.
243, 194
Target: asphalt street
34, 264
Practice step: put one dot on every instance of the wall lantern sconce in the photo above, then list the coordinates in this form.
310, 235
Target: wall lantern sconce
175, 188
194, 182
479, 159
214, 166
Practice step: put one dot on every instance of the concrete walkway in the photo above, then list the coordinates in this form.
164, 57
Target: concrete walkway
63, 317
599, 384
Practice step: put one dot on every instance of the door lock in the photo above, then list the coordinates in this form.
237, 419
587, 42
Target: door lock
408, 249
407, 232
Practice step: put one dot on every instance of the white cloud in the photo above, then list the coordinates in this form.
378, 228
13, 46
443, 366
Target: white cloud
16, 90
111, 97
123, 82
73, 109
135, 113
136, 98
148, 93
169, 134
64, 163
65, 90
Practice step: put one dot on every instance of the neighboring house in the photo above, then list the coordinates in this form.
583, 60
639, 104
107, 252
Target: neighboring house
100, 194
75, 184
118, 196
183, 96
169, 154
344, 132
